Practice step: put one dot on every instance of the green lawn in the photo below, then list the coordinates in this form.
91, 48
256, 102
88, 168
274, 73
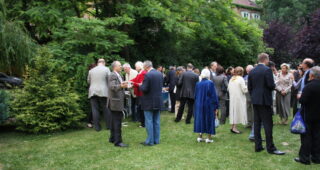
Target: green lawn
87, 149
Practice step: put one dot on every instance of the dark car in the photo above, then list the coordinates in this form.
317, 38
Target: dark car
9, 81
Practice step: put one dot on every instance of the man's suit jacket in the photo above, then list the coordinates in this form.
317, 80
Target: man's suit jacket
310, 101
152, 91
260, 85
171, 80
98, 80
304, 80
116, 93
219, 82
188, 82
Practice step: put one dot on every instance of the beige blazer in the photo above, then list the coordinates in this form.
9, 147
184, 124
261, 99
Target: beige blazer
133, 74
98, 81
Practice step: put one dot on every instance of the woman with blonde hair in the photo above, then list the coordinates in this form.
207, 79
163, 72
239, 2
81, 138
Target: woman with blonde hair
283, 96
238, 102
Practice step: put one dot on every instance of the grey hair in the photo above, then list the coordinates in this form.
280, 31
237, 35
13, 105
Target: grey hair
205, 73
126, 65
139, 64
249, 67
180, 68
315, 71
147, 64
114, 63
214, 63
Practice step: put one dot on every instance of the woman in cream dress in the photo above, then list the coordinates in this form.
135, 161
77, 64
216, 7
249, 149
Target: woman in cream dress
238, 109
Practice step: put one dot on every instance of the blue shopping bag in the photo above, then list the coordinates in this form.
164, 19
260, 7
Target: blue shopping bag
298, 126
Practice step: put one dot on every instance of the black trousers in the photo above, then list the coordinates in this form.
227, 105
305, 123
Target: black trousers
140, 112
89, 117
263, 115
183, 102
100, 104
310, 143
173, 101
116, 124
294, 105
133, 109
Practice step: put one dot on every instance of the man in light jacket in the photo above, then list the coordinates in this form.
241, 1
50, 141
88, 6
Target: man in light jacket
98, 93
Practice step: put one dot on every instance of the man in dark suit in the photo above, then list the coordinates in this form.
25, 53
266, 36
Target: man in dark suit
151, 103
171, 82
116, 104
260, 85
187, 82
310, 141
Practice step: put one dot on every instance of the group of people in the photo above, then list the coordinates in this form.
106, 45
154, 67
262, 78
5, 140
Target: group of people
249, 96
107, 94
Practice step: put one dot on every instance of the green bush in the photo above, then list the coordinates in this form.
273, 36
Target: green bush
4, 105
46, 104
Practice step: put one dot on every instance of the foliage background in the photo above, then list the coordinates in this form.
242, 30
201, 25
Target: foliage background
75, 34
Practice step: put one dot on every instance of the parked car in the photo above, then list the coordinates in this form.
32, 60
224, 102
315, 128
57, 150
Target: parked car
8, 82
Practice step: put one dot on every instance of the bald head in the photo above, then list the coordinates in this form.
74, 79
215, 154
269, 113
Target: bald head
116, 66
101, 61
307, 64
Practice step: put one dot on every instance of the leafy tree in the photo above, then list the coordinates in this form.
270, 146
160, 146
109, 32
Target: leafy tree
279, 36
308, 39
41, 17
46, 103
4, 105
16, 47
80, 42
295, 13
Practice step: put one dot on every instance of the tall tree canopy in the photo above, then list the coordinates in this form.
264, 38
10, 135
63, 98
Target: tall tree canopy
285, 18
167, 32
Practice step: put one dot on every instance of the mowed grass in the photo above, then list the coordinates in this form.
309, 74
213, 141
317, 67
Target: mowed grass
88, 149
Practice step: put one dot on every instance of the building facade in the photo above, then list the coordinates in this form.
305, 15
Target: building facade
247, 9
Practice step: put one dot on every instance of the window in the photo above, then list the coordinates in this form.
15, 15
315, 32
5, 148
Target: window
245, 14
256, 16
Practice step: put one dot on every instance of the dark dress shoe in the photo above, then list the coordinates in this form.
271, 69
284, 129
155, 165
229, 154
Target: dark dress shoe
259, 150
188, 123
122, 145
251, 139
176, 120
145, 144
299, 161
277, 152
111, 141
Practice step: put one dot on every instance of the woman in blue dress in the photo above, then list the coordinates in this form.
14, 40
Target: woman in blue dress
206, 106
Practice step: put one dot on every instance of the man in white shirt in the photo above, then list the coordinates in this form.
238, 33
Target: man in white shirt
131, 74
